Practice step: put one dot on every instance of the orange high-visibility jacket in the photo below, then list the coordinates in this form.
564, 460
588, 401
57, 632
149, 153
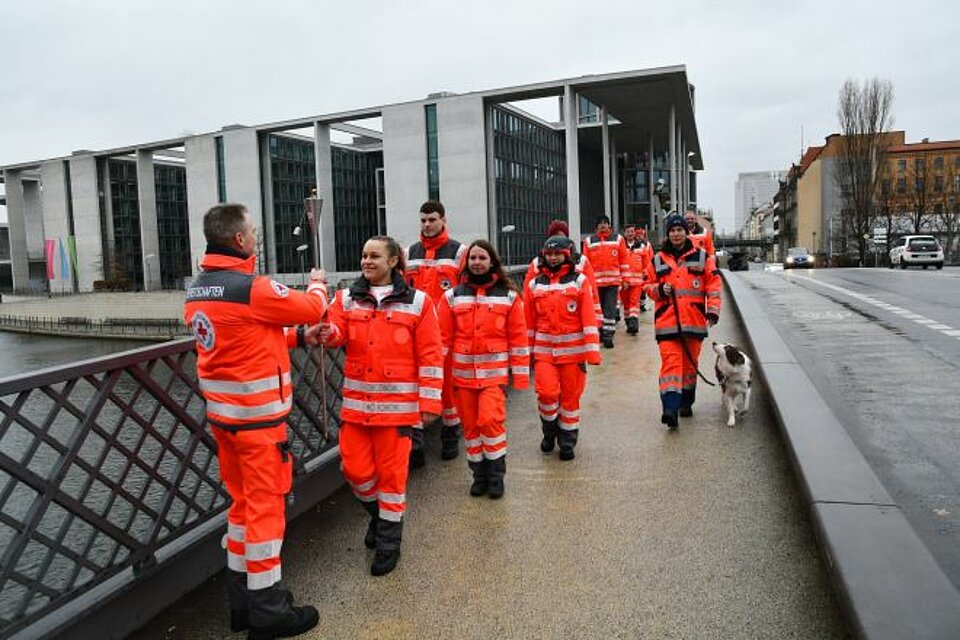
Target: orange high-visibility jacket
485, 330
561, 321
696, 287
394, 365
238, 320
608, 257
434, 264
702, 239
638, 254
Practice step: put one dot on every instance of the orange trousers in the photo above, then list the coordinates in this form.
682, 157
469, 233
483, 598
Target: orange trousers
678, 376
374, 463
257, 468
630, 299
559, 387
484, 413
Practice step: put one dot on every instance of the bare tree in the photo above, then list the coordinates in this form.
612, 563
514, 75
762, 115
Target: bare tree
865, 120
947, 211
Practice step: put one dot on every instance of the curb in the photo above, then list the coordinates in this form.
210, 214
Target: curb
889, 584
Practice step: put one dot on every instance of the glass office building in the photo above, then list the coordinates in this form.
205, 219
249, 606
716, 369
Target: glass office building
531, 182
173, 227
356, 214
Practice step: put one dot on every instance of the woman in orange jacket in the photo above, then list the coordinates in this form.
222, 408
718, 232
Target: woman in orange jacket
580, 265
393, 376
485, 332
684, 284
563, 332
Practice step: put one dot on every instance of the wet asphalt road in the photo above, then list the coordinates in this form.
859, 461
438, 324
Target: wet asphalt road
700, 533
883, 348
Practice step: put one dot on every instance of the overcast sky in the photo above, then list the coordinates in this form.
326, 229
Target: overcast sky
97, 74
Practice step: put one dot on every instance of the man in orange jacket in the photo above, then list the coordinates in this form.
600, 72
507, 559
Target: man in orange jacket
638, 254
607, 253
698, 235
433, 266
243, 366
684, 284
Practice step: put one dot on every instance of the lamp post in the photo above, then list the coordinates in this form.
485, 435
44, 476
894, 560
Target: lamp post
507, 229
146, 261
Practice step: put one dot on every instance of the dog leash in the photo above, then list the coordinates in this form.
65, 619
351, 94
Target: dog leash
683, 343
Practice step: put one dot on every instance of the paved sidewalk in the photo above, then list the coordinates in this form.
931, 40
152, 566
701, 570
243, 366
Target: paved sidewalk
702, 533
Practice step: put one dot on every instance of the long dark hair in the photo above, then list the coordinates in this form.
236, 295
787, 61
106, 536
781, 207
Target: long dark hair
393, 249
496, 266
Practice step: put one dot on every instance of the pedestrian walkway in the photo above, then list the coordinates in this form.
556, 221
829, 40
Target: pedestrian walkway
699, 533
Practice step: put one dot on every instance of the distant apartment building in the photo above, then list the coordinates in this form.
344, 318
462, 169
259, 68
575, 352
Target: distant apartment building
133, 214
754, 189
919, 188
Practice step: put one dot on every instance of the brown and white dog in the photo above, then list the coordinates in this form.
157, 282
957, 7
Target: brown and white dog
734, 375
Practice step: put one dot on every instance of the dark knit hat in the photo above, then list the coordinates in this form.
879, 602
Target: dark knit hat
674, 220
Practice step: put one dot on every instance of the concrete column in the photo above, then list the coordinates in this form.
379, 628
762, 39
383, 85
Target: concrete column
33, 218
615, 183
86, 220
605, 143
672, 160
404, 169
652, 223
573, 162
684, 191
56, 220
16, 216
493, 218
268, 231
149, 233
461, 141
327, 223
242, 168
201, 166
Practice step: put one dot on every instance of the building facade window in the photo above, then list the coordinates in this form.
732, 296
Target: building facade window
919, 164
901, 186
938, 162
356, 213
125, 205
221, 170
531, 182
433, 153
173, 226
938, 184
901, 165
920, 185
292, 176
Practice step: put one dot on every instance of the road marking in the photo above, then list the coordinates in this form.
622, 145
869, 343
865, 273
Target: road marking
923, 321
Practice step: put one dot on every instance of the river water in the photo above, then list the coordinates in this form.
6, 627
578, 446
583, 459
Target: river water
23, 352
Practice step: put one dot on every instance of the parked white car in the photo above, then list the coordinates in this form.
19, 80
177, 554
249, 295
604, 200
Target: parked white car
916, 251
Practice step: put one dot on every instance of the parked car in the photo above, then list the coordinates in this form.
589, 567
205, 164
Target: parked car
916, 250
799, 258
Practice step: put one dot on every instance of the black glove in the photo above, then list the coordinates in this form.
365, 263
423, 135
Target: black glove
713, 318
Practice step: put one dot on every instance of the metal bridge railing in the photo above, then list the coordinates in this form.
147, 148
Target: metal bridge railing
106, 465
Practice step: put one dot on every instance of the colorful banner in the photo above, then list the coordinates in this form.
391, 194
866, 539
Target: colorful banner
50, 251
64, 267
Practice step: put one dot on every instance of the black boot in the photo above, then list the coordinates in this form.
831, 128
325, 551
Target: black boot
480, 478
686, 412
567, 439
272, 615
449, 442
389, 536
370, 539
496, 470
607, 341
670, 419
237, 599
687, 398
633, 326
549, 435
418, 457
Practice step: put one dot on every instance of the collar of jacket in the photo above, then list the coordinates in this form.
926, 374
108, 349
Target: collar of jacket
671, 250
437, 241
604, 235
477, 286
218, 258
361, 288
561, 271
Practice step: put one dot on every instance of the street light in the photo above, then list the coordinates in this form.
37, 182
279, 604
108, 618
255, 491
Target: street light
303, 267
146, 261
507, 229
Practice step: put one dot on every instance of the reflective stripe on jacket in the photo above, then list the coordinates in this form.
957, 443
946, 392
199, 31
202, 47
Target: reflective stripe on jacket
696, 288
608, 257
485, 331
394, 365
581, 265
561, 321
243, 360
